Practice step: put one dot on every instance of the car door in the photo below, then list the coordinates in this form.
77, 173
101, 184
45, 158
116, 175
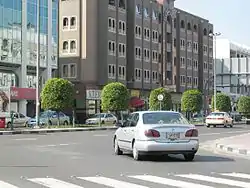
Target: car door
130, 134
22, 119
16, 119
122, 133
62, 118
228, 119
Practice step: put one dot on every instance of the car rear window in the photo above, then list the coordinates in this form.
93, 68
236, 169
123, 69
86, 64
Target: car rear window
163, 118
217, 114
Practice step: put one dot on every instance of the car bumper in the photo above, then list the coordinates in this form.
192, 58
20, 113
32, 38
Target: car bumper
152, 147
222, 122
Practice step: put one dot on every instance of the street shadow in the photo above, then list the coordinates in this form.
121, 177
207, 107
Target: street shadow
180, 158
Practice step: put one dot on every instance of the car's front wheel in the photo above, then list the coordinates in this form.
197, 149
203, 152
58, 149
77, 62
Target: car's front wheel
189, 157
117, 148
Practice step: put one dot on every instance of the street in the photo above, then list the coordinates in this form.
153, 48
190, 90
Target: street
86, 159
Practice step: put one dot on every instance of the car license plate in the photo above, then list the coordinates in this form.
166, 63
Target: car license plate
173, 136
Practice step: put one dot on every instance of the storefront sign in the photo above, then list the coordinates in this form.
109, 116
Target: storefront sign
93, 94
23, 93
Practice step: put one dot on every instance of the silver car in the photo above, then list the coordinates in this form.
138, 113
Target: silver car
157, 133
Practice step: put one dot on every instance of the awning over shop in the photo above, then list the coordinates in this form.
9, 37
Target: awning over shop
136, 102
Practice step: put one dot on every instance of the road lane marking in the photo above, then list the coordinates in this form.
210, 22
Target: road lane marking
169, 182
231, 132
111, 182
6, 185
236, 175
216, 180
63, 144
25, 139
53, 183
100, 135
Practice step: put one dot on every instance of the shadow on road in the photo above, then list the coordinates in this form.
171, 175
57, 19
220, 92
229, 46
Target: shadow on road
180, 158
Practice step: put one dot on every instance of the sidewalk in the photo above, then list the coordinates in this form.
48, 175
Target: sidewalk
237, 144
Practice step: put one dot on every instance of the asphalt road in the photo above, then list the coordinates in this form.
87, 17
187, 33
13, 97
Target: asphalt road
86, 159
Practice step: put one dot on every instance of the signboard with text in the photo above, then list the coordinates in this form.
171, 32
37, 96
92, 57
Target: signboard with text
93, 94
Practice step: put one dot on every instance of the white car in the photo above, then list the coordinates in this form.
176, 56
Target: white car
219, 118
157, 133
103, 117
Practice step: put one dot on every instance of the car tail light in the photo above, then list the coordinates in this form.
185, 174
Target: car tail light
209, 118
152, 133
220, 118
192, 133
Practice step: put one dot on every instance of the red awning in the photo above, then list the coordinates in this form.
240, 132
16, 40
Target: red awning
136, 102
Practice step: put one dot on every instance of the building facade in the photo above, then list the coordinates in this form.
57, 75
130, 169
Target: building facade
123, 43
18, 52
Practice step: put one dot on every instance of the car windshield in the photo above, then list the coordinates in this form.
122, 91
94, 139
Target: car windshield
217, 114
163, 118
98, 116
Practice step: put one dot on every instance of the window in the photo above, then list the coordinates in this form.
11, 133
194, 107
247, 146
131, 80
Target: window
111, 71
155, 36
155, 56
73, 46
205, 65
122, 4
73, 22
146, 13
205, 32
154, 15
189, 46
122, 72
138, 10
189, 63
146, 54
111, 24
111, 48
146, 75
205, 50
69, 70
182, 44
65, 47
154, 76
211, 66
211, 51
182, 24
195, 46
122, 27
138, 32
163, 118
146, 33
195, 81
189, 26
122, 50
195, 64
183, 63
195, 28
138, 53
138, 74
189, 80
65, 23
182, 80
112, 2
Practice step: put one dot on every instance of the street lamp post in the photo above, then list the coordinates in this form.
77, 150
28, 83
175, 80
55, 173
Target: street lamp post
214, 35
38, 62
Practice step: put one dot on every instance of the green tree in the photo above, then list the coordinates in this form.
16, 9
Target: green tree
191, 101
57, 95
154, 103
243, 106
115, 97
223, 102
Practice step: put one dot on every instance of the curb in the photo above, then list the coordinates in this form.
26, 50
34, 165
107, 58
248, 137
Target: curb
229, 149
42, 131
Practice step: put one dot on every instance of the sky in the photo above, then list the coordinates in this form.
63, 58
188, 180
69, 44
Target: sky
224, 15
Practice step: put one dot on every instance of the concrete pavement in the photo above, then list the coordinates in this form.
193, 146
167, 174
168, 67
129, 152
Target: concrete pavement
86, 159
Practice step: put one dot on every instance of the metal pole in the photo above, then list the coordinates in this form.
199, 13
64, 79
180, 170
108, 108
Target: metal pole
38, 62
162, 51
215, 72
142, 46
117, 41
160, 105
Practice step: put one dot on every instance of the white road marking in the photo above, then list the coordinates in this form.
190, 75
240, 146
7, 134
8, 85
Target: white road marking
100, 135
237, 175
25, 139
170, 182
111, 182
216, 180
63, 144
6, 185
52, 145
231, 132
53, 183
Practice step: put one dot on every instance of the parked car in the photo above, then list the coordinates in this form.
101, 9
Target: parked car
236, 117
50, 118
219, 118
19, 119
103, 118
156, 133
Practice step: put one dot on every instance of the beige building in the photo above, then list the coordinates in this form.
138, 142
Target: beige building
119, 40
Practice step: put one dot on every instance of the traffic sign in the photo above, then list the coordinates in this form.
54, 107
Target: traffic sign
160, 97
